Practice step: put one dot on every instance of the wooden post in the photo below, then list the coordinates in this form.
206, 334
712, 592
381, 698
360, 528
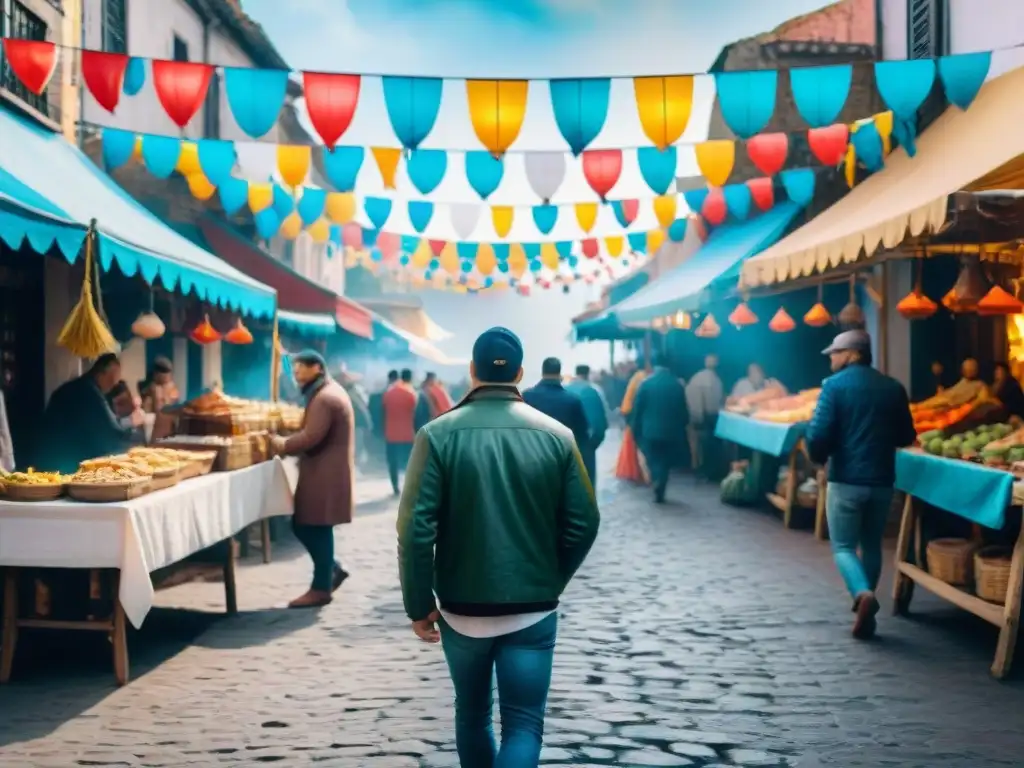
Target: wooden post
787, 513
1011, 612
9, 636
820, 513
230, 591
119, 636
265, 538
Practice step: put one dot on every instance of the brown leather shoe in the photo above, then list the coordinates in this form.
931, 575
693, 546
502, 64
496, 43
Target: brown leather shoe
864, 625
312, 599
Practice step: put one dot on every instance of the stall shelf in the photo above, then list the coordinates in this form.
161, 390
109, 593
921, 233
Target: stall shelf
134, 539
979, 494
777, 440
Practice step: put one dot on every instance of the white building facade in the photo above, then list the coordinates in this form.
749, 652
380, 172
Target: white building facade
915, 29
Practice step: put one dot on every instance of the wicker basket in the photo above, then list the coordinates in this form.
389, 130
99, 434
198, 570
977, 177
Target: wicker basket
106, 493
992, 574
35, 492
951, 560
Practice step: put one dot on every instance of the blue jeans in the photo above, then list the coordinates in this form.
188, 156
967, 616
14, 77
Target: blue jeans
398, 458
857, 516
522, 661
319, 542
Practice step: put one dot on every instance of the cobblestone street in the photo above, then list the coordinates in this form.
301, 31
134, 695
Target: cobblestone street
696, 635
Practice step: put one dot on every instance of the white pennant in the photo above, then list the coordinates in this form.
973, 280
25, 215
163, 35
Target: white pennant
545, 171
465, 217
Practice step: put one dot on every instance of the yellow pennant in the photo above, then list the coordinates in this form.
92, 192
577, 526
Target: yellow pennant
586, 215
497, 109
665, 209
486, 261
549, 255
715, 160
450, 259
340, 207
422, 256
664, 105
883, 124
293, 163
188, 159
261, 197
516, 260
502, 217
320, 230
291, 227
614, 245
387, 163
655, 238
200, 186
850, 165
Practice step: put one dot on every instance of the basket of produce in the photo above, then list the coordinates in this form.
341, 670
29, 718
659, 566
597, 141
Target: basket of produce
32, 486
992, 574
951, 560
111, 478
166, 467
260, 443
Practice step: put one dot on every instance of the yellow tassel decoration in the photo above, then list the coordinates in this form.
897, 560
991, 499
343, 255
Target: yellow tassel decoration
84, 333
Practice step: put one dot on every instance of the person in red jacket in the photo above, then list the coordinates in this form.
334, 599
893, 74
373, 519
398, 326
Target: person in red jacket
399, 406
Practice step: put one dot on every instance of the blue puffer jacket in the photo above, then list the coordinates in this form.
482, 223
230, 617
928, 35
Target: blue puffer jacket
862, 417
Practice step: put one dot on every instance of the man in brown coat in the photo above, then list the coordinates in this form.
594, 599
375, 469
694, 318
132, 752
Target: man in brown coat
324, 497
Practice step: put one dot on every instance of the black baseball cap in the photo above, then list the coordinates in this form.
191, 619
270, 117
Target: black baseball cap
497, 356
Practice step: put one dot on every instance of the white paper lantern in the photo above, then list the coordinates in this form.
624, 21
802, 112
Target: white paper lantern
148, 326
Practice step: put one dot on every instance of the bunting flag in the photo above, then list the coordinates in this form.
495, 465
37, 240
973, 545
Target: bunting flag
33, 62
545, 172
820, 93
586, 216
502, 217
484, 172
342, 165
104, 74
340, 207
413, 104
664, 105
580, 107
904, 85
768, 151
134, 76
715, 160
426, 169
387, 160
181, 87
255, 97
420, 214
746, 100
497, 109
602, 168
331, 102
626, 211
658, 167
293, 163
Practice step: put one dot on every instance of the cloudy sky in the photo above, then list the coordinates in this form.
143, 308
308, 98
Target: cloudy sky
516, 38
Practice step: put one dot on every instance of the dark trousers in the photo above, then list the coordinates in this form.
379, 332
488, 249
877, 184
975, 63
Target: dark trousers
398, 458
589, 455
319, 542
659, 455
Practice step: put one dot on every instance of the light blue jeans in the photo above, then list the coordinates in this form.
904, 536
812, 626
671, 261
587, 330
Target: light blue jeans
522, 662
857, 516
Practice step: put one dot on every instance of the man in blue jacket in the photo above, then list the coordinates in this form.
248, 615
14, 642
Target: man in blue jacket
549, 397
596, 409
861, 419
658, 420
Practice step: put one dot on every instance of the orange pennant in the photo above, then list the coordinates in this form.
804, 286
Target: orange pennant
387, 159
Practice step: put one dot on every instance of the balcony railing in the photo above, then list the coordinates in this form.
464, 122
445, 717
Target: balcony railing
18, 21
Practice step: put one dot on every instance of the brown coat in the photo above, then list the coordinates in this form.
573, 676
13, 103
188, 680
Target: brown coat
326, 450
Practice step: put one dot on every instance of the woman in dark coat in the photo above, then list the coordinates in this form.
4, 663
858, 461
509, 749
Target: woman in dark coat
325, 494
1008, 391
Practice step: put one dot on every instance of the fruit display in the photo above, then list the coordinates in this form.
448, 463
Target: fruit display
112, 469
951, 405
791, 409
996, 445
31, 477
31, 485
749, 403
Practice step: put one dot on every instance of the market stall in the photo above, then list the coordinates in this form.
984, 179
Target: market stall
773, 423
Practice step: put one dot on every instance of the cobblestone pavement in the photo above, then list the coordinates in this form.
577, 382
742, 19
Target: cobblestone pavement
696, 635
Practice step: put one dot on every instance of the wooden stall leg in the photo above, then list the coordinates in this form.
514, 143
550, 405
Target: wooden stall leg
265, 536
119, 639
230, 592
787, 513
9, 636
1011, 621
820, 516
902, 586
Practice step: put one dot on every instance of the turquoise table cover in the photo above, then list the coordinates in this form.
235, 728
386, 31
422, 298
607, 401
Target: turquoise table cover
764, 436
971, 491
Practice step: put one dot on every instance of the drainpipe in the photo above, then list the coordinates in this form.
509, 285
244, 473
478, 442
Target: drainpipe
80, 10
880, 30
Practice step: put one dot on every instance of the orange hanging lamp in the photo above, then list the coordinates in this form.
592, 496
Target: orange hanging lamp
742, 316
204, 333
999, 301
818, 316
915, 305
239, 334
782, 322
708, 328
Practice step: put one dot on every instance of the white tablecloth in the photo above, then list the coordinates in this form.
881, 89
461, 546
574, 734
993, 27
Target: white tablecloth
145, 534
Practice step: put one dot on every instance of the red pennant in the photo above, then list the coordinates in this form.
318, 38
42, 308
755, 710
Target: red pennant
829, 144
352, 236
715, 209
590, 248
181, 87
762, 192
388, 244
436, 246
33, 61
602, 168
768, 152
104, 76
331, 102
630, 209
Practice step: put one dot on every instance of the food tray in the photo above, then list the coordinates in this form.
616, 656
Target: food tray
40, 492
164, 479
108, 492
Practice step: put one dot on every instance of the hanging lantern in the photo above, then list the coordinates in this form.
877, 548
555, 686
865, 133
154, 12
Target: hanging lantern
852, 316
204, 333
915, 305
818, 316
782, 322
708, 328
148, 326
998, 301
682, 320
239, 334
970, 288
742, 316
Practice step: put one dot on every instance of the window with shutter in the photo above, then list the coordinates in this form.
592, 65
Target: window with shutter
115, 31
927, 30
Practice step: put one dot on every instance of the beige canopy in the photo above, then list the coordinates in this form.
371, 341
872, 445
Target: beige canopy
910, 195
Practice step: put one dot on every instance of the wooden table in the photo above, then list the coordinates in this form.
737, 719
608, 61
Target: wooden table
976, 493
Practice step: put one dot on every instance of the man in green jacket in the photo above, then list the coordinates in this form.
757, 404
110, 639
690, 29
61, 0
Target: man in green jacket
496, 516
